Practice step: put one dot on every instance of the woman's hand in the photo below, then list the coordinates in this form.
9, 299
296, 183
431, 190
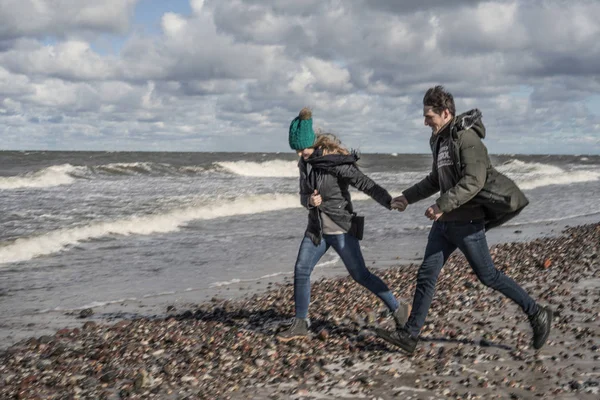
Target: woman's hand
315, 199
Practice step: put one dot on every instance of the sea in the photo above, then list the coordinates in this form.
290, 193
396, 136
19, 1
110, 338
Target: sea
130, 233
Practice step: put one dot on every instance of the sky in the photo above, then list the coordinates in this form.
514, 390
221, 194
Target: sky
230, 75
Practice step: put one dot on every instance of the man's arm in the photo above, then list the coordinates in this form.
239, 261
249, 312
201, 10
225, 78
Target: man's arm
428, 186
473, 158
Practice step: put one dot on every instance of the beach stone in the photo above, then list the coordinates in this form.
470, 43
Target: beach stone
43, 364
108, 376
89, 325
45, 339
86, 313
121, 324
323, 334
217, 350
141, 380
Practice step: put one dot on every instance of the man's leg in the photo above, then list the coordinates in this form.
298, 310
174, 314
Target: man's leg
436, 254
471, 240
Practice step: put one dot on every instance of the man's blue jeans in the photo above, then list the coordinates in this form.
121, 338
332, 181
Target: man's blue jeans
348, 248
469, 237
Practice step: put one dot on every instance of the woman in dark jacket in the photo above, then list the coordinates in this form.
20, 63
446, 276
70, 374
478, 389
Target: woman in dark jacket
326, 171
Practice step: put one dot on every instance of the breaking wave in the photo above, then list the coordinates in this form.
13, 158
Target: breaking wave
534, 175
273, 169
52, 176
66, 174
27, 248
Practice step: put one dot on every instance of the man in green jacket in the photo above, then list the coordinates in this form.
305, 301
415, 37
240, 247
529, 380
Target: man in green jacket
473, 197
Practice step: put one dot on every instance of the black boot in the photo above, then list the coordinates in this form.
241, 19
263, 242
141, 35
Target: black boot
298, 330
541, 322
399, 337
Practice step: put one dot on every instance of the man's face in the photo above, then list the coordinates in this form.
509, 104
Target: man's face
434, 120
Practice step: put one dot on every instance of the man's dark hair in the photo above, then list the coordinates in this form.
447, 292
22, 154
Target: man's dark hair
439, 99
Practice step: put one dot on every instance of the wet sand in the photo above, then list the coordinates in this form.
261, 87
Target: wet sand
476, 344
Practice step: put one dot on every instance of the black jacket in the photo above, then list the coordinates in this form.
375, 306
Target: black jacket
331, 176
478, 182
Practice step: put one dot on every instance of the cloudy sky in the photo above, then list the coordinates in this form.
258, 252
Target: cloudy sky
229, 75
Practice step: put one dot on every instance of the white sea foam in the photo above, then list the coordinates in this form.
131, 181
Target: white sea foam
47, 177
324, 264
558, 219
128, 168
272, 169
534, 175
27, 248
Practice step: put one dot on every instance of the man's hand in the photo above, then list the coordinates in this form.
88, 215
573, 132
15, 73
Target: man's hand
399, 203
315, 199
433, 212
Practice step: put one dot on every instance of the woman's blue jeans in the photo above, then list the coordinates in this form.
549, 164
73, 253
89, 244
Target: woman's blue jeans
348, 248
469, 237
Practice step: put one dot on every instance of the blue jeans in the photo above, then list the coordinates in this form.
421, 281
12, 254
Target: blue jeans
469, 237
348, 248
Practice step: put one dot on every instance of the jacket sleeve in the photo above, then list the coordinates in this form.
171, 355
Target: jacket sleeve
473, 156
365, 184
430, 185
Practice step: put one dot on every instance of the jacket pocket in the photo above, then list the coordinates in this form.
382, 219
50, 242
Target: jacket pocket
493, 197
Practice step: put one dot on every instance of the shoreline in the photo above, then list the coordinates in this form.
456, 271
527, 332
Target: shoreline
475, 343
15, 328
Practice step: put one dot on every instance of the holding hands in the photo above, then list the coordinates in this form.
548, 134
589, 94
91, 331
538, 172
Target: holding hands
399, 203
315, 199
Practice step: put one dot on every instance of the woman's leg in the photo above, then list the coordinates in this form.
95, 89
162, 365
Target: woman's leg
348, 247
308, 256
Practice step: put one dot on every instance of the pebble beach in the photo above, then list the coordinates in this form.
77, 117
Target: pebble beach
476, 344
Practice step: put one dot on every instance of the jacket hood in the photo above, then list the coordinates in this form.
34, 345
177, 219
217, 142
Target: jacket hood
317, 160
470, 120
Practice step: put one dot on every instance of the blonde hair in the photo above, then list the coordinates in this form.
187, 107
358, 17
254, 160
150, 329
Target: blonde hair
330, 144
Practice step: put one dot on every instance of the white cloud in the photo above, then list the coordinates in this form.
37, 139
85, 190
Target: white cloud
40, 18
69, 60
243, 68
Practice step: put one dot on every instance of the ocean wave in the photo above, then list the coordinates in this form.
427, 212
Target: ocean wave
55, 175
150, 168
533, 175
269, 169
26, 248
66, 174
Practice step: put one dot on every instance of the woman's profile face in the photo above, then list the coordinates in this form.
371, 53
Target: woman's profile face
305, 153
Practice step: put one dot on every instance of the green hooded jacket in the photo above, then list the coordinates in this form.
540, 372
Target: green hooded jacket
478, 182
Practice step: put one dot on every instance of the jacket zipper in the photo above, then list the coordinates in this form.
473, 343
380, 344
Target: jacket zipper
318, 184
